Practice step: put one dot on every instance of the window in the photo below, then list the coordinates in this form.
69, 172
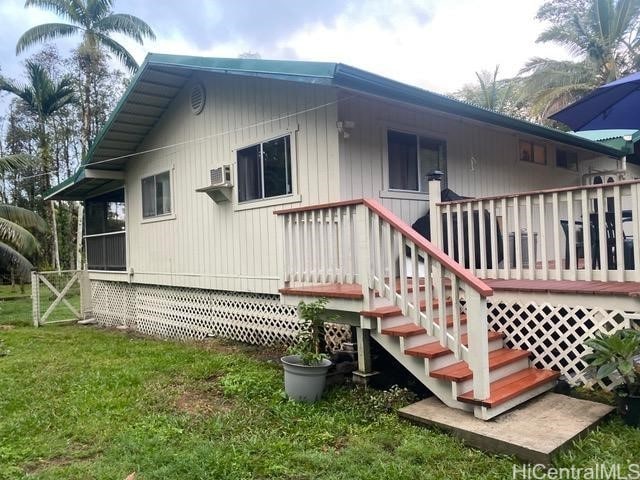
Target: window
533, 152
411, 157
567, 159
264, 170
156, 195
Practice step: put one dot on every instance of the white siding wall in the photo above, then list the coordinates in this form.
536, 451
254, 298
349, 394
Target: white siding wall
495, 168
210, 245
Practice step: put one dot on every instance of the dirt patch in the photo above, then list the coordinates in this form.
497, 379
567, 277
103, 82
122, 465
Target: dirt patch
78, 454
203, 398
258, 352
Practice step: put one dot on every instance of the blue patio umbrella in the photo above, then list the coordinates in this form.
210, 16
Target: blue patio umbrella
614, 105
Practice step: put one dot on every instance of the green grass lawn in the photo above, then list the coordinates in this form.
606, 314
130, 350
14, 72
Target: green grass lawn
16, 307
89, 403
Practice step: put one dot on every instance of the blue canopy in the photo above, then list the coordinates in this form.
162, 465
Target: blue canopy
614, 105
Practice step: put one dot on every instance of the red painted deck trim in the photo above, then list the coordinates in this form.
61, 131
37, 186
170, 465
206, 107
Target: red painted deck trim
631, 289
330, 290
511, 386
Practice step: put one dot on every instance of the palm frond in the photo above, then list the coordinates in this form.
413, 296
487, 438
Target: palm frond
19, 237
43, 33
22, 216
62, 8
97, 9
118, 51
129, 25
9, 257
19, 160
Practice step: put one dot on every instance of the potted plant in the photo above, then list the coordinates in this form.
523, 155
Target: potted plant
306, 366
619, 352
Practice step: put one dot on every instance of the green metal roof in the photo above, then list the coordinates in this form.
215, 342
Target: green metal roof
161, 77
612, 138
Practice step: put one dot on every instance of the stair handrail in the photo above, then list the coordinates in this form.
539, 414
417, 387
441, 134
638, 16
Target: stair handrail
467, 292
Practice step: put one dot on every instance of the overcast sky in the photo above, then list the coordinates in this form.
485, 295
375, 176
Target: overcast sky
434, 44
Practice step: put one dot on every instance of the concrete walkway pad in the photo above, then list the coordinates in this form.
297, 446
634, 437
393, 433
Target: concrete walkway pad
534, 431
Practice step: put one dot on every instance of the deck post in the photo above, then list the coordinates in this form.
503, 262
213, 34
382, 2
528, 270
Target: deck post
435, 222
478, 333
365, 366
363, 254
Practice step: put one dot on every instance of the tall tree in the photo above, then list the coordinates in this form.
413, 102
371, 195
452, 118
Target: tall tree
43, 97
16, 241
601, 34
95, 21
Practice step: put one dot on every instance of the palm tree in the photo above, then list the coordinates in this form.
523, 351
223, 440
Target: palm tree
95, 21
15, 240
498, 95
602, 34
43, 97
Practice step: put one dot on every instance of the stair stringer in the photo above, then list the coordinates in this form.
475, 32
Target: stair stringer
440, 388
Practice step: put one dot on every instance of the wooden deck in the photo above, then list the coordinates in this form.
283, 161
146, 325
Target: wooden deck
354, 290
630, 289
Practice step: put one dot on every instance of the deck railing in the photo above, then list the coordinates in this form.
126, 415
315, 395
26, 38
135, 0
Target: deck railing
576, 233
362, 242
106, 251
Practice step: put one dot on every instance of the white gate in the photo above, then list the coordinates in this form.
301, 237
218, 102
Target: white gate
64, 298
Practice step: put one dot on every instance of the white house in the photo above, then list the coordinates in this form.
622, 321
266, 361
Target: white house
182, 184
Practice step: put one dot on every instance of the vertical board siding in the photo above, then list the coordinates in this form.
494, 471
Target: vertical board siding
214, 246
481, 160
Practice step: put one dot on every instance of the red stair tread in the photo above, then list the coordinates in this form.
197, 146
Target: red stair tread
434, 349
404, 330
511, 386
392, 310
460, 371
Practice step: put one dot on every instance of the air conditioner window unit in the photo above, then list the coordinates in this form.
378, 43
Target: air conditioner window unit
221, 176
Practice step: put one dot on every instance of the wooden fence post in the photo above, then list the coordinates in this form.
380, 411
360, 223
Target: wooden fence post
35, 298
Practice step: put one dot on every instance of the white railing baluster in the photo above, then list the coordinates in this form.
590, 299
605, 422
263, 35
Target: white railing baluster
455, 314
586, 236
556, 235
635, 208
517, 237
506, 260
543, 236
391, 280
619, 246
415, 283
472, 238
530, 237
460, 244
483, 241
602, 236
402, 273
494, 238
428, 295
571, 232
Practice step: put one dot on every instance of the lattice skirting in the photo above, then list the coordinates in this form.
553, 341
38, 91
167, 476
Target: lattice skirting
190, 313
555, 334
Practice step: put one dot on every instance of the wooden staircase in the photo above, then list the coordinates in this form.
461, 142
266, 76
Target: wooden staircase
418, 303
512, 378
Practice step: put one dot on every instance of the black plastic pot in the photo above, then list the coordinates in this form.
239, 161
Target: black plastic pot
629, 409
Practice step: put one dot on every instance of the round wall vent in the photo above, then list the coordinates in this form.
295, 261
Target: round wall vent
198, 98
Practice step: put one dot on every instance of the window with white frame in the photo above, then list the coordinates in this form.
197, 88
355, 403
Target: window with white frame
264, 170
533, 152
411, 157
156, 195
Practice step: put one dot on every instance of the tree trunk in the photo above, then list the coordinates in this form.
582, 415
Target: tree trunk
54, 227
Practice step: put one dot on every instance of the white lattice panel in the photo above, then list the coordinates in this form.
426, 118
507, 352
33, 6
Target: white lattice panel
335, 334
113, 303
189, 313
555, 334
